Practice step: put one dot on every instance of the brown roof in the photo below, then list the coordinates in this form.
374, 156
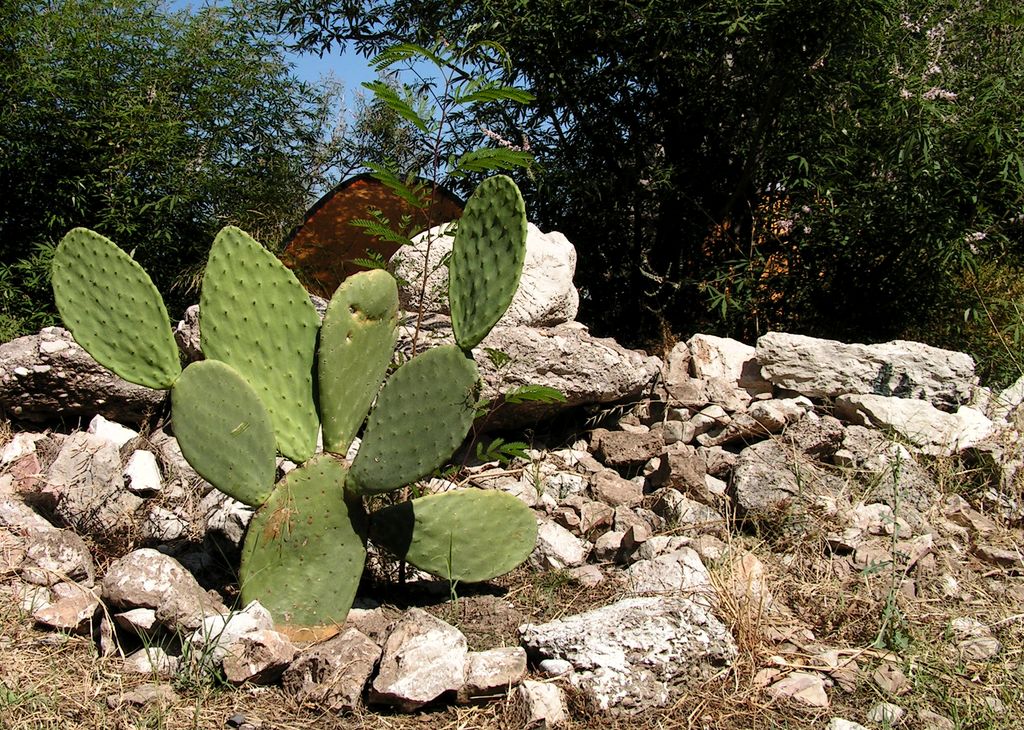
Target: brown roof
322, 250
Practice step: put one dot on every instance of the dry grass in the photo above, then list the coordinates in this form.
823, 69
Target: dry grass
821, 603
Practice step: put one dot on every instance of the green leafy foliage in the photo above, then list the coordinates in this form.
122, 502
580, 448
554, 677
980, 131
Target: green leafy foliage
155, 128
820, 167
534, 393
502, 451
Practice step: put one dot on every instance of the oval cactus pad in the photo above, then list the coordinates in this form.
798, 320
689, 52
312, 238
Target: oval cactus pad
304, 552
421, 416
357, 342
224, 431
113, 310
487, 259
467, 535
255, 316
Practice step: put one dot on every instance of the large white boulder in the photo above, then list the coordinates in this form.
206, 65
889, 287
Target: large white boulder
546, 295
825, 369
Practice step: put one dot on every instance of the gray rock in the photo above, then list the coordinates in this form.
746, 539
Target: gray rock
56, 556
934, 432
87, 486
542, 703
817, 436
546, 295
625, 449
887, 470
492, 673
226, 518
258, 657
585, 369
729, 360
147, 578
557, 548
48, 375
332, 675
769, 478
223, 635
636, 649
679, 572
820, 368
685, 515
423, 658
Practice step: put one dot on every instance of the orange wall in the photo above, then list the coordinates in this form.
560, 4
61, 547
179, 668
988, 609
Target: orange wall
322, 250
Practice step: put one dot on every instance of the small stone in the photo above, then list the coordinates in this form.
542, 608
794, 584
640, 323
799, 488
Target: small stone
891, 680
423, 658
837, 723
557, 548
111, 431
140, 620
934, 721
608, 547
611, 489
554, 667
259, 657
886, 713
995, 705
142, 474
332, 675
802, 688
543, 704
154, 661
492, 673
587, 576
143, 695
70, 611
979, 649
1000, 557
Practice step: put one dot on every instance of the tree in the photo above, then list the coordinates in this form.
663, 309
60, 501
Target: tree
821, 166
153, 127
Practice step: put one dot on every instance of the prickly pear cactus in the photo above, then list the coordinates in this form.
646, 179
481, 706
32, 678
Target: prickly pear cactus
253, 396
487, 259
111, 306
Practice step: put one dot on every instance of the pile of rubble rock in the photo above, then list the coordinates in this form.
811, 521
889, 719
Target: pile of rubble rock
719, 439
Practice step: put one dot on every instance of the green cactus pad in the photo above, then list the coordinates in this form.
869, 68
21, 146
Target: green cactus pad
356, 344
487, 259
304, 551
422, 415
255, 316
113, 310
467, 535
224, 431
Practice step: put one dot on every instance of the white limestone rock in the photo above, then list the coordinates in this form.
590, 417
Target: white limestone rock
546, 295
820, 368
934, 432
635, 649
557, 548
423, 658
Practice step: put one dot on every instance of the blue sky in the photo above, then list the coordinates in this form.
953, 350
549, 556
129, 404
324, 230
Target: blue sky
350, 68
